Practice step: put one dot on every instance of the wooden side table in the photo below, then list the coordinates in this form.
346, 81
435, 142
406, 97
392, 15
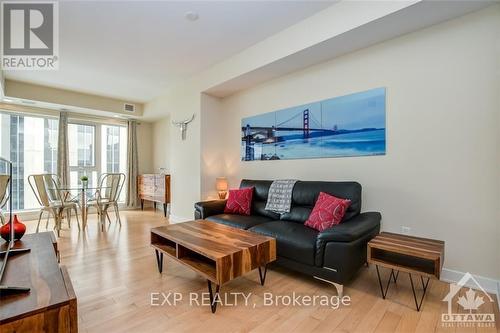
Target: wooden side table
413, 255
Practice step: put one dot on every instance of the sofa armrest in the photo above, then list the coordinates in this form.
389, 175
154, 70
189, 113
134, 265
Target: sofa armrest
352, 229
351, 235
204, 209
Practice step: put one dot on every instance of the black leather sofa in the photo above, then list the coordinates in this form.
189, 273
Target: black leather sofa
333, 255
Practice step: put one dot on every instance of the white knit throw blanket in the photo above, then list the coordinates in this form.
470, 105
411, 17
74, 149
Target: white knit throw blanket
279, 199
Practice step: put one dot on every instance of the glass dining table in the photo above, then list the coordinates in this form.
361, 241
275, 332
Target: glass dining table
82, 194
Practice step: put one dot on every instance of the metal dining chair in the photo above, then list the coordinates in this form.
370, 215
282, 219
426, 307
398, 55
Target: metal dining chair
49, 196
56, 193
4, 194
107, 195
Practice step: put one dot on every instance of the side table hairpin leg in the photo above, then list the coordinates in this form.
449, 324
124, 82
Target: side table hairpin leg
394, 277
391, 277
424, 288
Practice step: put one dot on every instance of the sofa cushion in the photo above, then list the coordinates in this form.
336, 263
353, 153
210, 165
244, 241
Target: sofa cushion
239, 221
293, 240
261, 190
239, 201
305, 194
327, 212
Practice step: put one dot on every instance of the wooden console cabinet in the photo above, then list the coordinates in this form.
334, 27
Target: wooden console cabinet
51, 304
155, 188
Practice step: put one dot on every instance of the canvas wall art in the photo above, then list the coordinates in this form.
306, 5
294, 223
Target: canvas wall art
350, 125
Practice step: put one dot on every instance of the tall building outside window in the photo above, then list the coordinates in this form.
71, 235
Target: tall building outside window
30, 142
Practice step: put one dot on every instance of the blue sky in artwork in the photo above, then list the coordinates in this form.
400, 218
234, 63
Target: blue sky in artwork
261, 120
293, 117
350, 112
355, 111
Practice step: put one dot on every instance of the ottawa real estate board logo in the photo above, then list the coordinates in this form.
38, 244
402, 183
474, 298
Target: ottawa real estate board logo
473, 305
30, 35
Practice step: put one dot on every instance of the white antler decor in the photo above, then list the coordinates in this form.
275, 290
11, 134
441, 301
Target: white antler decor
183, 126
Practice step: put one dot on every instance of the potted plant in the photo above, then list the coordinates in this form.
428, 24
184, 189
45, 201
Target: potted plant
85, 181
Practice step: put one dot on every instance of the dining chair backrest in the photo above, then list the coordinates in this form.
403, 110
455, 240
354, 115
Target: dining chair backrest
4, 186
46, 188
53, 187
110, 185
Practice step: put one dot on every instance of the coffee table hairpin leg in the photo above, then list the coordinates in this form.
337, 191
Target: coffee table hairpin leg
214, 297
159, 260
263, 276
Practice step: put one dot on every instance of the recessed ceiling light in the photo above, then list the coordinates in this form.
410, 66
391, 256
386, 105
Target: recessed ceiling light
7, 100
191, 16
24, 101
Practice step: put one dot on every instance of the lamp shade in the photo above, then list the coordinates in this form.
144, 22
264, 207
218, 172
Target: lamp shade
221, 184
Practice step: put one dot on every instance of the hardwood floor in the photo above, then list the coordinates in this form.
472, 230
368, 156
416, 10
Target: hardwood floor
114, 273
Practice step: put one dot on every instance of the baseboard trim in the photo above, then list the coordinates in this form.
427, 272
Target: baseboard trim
490, 285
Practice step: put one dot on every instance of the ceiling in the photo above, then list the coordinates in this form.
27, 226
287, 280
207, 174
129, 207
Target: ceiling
134, 50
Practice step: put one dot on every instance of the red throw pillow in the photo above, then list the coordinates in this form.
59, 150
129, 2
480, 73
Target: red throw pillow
239, 201
327, 212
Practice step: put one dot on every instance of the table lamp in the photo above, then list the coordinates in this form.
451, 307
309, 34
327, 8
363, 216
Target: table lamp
221, 185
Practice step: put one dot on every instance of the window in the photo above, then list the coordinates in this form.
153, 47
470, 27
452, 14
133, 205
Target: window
82, 153
115, 145
91, 159
31, 144
50, 134
114, 148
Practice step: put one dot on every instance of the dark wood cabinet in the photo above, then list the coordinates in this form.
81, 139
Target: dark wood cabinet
155, 188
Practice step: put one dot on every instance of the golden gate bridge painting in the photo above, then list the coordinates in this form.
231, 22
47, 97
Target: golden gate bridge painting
350, 125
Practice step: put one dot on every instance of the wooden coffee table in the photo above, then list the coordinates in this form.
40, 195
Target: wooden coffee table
217, 252
414, 255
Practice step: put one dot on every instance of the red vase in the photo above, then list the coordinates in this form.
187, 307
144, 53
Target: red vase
19, 230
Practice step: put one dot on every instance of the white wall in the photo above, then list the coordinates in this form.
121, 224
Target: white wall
161, 148
183, 155
440, 175
105, 106
213, 133
2, 84
145, 147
